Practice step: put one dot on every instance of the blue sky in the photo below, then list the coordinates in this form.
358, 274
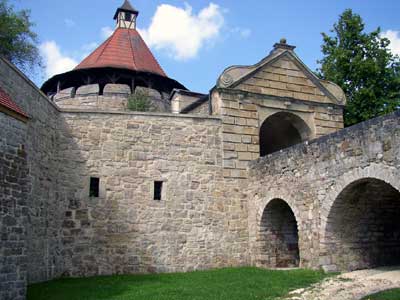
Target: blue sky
224, 32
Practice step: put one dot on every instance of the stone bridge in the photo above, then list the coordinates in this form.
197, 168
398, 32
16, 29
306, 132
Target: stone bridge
333, 202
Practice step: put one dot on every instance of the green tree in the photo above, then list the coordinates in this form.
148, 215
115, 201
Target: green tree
18, 43
363, 66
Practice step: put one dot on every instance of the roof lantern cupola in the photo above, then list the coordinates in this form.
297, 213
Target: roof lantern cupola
126, 16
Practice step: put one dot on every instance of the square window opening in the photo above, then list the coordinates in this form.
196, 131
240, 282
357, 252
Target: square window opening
128, 16
158, 185
94, 187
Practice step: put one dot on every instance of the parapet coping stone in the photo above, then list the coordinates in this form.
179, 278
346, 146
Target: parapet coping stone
144, 114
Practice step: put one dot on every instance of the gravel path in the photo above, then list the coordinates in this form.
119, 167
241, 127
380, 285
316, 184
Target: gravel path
351, 286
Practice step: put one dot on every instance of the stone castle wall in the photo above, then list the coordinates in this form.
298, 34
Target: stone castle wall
14, 187
200, 223
114, 98
35, 145
215, 187
125, 230
310, 177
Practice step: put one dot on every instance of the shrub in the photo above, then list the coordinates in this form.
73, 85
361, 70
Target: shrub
139, 101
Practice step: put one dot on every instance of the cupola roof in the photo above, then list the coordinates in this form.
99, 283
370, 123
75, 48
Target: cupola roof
125, 49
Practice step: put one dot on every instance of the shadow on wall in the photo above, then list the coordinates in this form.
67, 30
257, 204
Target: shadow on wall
363, 228
282, 130
278, 239
97, 232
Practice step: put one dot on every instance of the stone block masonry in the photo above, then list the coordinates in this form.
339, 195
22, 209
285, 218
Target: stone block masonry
126, 230
14, 188
98, 193
344, 192
39, 189
240, 133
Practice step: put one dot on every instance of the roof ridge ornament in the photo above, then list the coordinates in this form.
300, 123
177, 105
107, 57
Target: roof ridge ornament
284, 45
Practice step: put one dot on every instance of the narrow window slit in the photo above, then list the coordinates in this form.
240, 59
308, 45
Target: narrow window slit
158, 190
94, 187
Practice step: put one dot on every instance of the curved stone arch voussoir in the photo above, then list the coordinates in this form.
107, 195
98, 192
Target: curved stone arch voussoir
381, 172
263, 203
286, 197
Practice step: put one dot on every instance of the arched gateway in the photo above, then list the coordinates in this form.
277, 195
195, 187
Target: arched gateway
278, 239
282, 130
363, 228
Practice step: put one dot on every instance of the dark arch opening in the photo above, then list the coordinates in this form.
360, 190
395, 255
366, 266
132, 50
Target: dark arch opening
278, 237
282, 130
363, 227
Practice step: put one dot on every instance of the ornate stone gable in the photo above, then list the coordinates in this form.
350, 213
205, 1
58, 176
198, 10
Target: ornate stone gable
284, 78
282, 74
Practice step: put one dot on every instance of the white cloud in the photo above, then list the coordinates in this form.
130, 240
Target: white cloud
69, 23
106, 32
182, 33
56, 62
242, 32
394, 37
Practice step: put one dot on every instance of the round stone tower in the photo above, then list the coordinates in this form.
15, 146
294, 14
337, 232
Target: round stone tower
121, 66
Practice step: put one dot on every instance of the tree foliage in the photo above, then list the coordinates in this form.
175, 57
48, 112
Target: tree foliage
18, 43
363, 66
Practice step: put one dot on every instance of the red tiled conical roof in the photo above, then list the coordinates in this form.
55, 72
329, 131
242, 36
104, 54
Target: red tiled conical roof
126, 49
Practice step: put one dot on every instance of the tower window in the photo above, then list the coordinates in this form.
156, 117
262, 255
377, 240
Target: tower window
94, 187
158, 190
128, 16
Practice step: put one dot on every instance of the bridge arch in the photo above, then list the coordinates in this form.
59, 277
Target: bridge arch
361, 228
282, 130
278, 236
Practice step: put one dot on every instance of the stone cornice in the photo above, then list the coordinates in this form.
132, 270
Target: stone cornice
247, 94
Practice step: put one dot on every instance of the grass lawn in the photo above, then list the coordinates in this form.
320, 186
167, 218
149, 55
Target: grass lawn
230, 284
387, 295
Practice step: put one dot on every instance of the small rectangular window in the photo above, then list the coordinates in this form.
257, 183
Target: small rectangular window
94, 187
158, 190
128, 16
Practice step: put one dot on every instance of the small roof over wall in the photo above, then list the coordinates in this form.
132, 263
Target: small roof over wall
8, 106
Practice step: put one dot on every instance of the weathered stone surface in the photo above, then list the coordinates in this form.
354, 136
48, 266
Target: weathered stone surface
215, 189
344, 192
38, 206
13, 212
114, 98
184, 231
